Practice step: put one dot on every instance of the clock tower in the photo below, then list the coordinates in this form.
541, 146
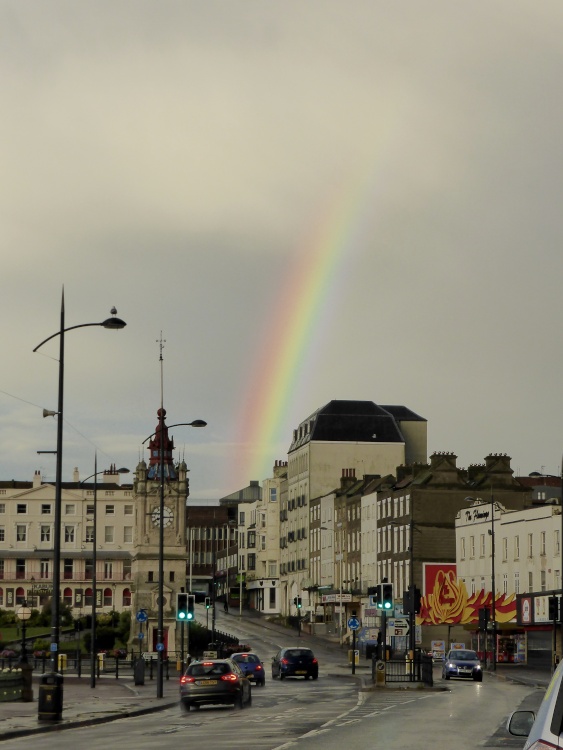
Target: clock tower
145, 563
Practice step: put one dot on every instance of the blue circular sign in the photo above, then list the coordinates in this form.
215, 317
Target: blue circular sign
160, 646
353, 623
142, 616
141, 636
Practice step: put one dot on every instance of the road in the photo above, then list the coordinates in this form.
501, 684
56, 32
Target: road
327, 714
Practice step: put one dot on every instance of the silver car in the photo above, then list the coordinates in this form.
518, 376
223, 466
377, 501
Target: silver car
544, 729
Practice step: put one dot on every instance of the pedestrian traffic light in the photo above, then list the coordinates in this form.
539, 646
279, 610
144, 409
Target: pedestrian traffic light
387, 596
181, 606
207, 602
554, 608
298, 602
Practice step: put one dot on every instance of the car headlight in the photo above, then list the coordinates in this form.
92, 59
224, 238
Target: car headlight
477, 667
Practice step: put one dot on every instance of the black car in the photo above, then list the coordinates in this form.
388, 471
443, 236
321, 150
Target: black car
462, 663
214, 681
295, 662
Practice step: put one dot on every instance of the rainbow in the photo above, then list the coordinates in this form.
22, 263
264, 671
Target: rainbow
294, 333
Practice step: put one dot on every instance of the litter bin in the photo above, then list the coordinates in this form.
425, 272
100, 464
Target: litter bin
50, 699
139, 672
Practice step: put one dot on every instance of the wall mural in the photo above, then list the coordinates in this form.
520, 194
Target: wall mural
446, 600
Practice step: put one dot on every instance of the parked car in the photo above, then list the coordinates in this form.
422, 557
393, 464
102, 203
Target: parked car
252, 667
295, 662
462, 663
543, 729
214, 681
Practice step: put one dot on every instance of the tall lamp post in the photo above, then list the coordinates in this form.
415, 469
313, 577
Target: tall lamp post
94, 563
493, 586
160, 603
113, 323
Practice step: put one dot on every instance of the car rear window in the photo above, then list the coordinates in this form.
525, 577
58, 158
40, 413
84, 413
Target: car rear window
299, 652
246, 659
201, 670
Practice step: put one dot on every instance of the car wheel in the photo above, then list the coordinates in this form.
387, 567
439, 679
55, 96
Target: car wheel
315, 676
262, 683
239, 702
446, 677
306, 676
274, 675
186, 706
478, 678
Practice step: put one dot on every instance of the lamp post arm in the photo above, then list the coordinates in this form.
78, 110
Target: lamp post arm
109, 323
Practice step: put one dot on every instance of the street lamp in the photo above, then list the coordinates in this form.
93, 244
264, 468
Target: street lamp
160, 603
493, 587
23, 613
94, 563
112, 323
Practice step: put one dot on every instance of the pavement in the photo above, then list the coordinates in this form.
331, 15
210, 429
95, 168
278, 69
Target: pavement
113, 698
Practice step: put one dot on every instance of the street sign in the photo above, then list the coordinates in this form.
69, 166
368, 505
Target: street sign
399, 626
141, 635
353, 623
141, 616
160, 646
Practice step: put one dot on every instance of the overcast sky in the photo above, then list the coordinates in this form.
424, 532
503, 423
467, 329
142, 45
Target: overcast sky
181, 160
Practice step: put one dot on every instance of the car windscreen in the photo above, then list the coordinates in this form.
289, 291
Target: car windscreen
464, 656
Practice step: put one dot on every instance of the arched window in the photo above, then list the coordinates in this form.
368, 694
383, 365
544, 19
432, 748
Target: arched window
20, 595
108, 598
67, 596
88, 597
126, 601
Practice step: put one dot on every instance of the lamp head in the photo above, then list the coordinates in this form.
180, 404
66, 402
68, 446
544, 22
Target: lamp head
114, 322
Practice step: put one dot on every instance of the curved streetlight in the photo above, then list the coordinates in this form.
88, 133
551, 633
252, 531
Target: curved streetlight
160, 626
113, 323
94, 562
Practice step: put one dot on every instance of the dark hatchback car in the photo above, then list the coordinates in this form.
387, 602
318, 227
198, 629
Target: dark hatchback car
295, 662
252, 667
214, 681
462, 663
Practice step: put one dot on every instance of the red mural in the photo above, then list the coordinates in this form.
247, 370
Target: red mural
446, 599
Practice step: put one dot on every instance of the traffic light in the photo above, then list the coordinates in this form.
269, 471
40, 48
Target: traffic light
191, 607
298, 602
181, 606
483, 618
387, 596
207, 602
375, 593
554, 608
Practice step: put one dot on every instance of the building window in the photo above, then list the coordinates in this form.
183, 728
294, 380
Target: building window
108, 534
542, 544
171, 576
20, 569
556, 542
150, 576
69, 534
1, 569
252, 561
241, 518
68, 569
504, 549
530, 582
530, 545
70, 509
127, 570
273, 494
2, 534
45, 533
462, 548
127, 534
21, 532
45, 509
556, 579
108, 598
471, 547
2, 507
505, 584
67, 596
127, 510
272, 568
516, 547
89, 534
126, 598
543, 582
108, 570
89, 510
482, 545
516, 583
110, 510
44, 567
89, 570
21, 509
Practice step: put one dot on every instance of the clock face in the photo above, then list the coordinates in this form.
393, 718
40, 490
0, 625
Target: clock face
168, 517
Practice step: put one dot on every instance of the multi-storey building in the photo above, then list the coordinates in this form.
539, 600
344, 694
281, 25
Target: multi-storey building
357, 435
27, 516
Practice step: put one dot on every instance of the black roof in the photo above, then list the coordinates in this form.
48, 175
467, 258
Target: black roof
354, 421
